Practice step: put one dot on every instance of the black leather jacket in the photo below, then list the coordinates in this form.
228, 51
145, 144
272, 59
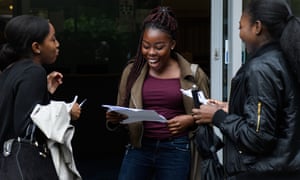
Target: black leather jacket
262, 128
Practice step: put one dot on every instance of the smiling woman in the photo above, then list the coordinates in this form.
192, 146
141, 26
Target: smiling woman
152, 81
156, 48
97, 38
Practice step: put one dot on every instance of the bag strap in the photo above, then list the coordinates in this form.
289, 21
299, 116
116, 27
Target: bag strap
29, 137
212, 139
30, 131
194, 68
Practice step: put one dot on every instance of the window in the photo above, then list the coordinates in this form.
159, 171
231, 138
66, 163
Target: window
100, 36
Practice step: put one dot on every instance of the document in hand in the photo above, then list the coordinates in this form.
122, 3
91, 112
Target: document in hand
135, 115
201, 96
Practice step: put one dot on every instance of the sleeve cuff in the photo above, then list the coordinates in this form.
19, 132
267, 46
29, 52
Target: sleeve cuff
219, 117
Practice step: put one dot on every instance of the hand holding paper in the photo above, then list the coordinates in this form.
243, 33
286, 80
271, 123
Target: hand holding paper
136, 115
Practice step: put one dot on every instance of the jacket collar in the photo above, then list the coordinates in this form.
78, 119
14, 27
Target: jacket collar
265, 48
186, 82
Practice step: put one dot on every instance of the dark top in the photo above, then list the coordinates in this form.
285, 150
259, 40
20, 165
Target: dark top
163, 96
22, 86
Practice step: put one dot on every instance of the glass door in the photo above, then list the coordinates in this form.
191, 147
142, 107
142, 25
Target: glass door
226, 48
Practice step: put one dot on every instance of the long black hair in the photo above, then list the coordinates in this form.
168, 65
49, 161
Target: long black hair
19, 33
283, 26
162, 18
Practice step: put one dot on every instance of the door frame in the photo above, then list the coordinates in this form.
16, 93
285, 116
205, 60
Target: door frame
226, 55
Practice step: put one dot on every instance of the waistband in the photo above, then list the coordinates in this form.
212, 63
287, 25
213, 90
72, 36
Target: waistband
185, 137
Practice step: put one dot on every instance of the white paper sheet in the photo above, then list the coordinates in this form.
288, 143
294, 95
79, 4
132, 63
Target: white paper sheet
135, 115
201, 96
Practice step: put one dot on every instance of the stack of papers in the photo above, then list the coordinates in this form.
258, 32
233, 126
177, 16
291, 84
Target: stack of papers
136, 115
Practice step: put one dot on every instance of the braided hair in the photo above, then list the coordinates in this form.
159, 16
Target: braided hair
162, 18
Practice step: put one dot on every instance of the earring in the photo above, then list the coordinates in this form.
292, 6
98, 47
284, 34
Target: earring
38, 51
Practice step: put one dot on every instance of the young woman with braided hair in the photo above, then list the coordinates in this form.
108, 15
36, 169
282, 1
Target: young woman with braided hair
152, 80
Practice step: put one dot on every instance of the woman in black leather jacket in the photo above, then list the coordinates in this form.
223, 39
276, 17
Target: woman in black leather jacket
261, 128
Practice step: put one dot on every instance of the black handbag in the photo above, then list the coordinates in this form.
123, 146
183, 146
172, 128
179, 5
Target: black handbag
26, 159
208, 143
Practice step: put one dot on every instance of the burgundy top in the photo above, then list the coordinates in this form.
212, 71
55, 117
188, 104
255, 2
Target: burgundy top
163, 96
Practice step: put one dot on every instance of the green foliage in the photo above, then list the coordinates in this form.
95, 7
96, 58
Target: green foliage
92, 27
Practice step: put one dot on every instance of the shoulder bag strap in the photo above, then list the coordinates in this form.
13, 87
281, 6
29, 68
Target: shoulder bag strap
194, 69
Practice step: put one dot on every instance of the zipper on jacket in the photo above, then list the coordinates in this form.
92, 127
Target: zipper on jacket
258, 116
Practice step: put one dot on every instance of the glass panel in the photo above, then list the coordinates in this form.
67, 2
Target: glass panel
225, 41
295, 4
99, 36
6, 11
96, 36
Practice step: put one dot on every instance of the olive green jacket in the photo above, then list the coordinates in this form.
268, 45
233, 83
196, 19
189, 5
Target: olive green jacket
186, 81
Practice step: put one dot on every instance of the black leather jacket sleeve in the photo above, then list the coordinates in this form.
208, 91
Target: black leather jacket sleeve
253, 125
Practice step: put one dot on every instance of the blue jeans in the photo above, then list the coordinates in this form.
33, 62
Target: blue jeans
159, 160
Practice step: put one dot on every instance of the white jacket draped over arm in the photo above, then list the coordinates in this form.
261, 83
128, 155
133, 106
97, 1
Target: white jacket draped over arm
54, 121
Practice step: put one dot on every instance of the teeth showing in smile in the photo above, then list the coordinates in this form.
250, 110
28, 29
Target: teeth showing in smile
152, 61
